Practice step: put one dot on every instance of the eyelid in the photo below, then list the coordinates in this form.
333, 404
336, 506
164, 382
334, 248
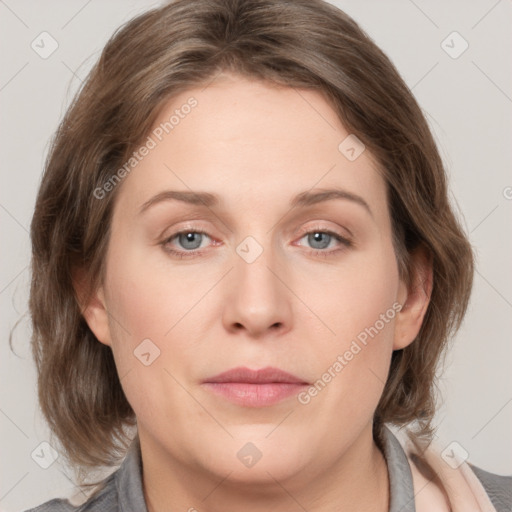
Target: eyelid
190, 225
326, 229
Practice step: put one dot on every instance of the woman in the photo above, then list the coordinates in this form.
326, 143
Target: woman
245, 267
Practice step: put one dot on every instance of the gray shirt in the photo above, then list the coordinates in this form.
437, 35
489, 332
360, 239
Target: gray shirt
122, 490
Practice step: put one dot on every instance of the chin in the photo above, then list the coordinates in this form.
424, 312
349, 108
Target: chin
253, 456
266, 471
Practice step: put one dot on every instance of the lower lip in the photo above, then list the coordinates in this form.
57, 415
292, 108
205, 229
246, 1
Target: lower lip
254, 395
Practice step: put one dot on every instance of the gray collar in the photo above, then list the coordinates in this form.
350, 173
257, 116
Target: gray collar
128, 479
401, 489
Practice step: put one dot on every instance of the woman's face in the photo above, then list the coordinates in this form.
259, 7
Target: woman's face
288, 264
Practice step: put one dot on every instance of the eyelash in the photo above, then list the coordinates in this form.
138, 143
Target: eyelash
315, 252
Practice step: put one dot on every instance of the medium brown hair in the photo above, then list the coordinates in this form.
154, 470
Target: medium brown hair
295, 43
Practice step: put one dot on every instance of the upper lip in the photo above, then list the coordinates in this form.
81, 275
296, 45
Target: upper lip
263, 376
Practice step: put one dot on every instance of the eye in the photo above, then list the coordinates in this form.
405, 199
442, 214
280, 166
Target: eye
321, 239
188, 240
188, 243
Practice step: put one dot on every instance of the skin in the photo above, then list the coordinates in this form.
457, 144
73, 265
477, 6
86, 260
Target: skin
256, 146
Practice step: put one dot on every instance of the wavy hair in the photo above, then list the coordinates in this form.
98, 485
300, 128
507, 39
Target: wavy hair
165, 51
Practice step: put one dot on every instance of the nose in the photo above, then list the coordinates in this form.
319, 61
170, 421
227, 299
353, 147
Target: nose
258, 299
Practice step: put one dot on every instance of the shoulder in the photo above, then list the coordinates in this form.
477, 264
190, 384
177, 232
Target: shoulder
123, 486
497, 487
462, 485
104, 499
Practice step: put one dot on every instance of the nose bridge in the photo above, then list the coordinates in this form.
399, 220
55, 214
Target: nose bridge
259, 299
255, 282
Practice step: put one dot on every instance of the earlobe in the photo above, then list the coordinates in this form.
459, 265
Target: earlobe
415, 299
93, 308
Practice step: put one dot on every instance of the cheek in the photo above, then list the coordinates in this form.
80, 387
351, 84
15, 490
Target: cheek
351, 298
155, 307
359, 305
148, 295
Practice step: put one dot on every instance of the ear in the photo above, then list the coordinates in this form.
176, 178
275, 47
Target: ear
93, 307
414, 298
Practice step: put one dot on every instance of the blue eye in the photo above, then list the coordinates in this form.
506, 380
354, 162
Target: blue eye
190, 240
320, 239
188, 243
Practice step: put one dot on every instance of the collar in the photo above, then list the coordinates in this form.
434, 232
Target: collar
128, 479
401, 488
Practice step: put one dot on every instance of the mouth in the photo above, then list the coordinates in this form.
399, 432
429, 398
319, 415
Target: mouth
255, 388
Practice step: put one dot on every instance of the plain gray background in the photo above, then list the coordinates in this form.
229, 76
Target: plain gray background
468, 103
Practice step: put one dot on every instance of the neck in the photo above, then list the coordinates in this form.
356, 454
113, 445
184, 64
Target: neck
357, 481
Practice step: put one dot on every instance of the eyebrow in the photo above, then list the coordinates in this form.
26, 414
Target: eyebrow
302, 199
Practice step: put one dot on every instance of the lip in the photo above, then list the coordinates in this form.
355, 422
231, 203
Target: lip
255, 388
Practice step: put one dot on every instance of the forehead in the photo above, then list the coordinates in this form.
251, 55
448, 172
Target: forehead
252, 142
